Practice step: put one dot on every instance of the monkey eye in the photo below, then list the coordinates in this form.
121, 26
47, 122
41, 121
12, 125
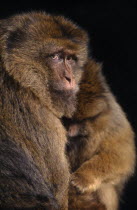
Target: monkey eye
57, 57
71, 58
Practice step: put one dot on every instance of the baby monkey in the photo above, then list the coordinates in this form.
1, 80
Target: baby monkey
101, 148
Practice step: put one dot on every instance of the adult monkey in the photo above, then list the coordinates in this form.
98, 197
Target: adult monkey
101, 147
41, 60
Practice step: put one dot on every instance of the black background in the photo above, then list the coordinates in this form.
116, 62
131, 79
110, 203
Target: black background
111, 25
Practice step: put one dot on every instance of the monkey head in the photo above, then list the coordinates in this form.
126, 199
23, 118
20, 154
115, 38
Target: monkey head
45, 54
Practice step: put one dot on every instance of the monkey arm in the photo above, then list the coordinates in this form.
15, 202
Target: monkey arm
98, 169
114, 160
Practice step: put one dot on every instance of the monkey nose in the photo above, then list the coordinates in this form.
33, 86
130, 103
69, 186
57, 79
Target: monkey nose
68, 79
69, 83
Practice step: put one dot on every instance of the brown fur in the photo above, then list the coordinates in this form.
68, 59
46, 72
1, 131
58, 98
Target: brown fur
101, 147
34, 172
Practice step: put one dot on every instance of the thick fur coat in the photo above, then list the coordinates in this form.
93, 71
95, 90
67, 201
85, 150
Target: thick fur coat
101, 146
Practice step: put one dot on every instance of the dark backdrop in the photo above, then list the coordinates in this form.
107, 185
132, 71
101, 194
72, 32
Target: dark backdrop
112, 29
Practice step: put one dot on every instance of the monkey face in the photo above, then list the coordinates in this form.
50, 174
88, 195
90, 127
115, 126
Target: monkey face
64, 67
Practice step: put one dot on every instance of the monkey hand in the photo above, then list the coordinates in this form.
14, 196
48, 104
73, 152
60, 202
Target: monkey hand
84, 182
